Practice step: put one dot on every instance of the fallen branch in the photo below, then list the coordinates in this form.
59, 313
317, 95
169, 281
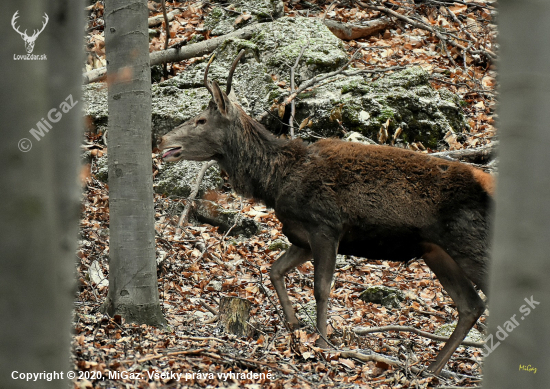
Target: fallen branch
488, 53
416, 370
349, 31
167, 35
365, 331
477, 155
179, 54
191, 198
156, 20
312, 82
293, 86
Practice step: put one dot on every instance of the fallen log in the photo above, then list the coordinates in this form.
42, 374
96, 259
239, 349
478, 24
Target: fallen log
349, 31
179, 54
479, 155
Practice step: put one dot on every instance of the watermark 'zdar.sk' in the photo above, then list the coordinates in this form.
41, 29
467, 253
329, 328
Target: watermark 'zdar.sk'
29, 40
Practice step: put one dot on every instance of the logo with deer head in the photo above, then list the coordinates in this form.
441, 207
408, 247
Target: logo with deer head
29, 40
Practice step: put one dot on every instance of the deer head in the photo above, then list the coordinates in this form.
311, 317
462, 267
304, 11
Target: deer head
29, 40
202, 137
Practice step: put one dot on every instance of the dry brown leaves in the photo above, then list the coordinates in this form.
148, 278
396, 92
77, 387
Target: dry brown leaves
202, 266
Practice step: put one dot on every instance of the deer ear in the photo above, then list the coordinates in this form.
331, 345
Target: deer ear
220, 98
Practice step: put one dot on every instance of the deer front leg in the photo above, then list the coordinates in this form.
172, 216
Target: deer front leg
293, 257
324, 248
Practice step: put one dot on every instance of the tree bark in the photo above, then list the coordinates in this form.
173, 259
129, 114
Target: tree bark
133, 289
234, 314
39, 200
520, 289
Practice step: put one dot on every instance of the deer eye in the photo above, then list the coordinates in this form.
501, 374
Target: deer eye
200, 122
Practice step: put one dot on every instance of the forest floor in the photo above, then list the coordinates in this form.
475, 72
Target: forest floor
197, 269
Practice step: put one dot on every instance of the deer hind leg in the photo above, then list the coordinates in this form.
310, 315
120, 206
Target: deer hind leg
460, 288
293, 257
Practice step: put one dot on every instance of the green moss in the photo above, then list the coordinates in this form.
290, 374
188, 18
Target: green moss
386, 296
278, 244
352, 86
386, 114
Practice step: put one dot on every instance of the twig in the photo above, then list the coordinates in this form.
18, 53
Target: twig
212, 310
317, 79
167, 33
292, 86
365, 331
202, 338
171, 354
191, 198
488, 53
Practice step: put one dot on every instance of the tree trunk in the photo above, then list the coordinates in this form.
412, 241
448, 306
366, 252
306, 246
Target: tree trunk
133, 289
520, 268
39, 200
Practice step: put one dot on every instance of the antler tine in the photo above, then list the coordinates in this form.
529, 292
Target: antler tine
38, 32
232, 70
13, 19
206, 73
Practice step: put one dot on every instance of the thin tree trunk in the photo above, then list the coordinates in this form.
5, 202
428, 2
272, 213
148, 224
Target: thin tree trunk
133, 289
39, 203
520, 269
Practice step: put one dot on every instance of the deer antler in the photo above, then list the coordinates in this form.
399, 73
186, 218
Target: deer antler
36, 33
15, 16
206, 73
231, 71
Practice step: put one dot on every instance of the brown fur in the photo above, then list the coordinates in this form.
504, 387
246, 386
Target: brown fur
332, 197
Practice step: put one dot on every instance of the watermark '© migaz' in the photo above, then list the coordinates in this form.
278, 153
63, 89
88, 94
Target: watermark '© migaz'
509, 325
44, 126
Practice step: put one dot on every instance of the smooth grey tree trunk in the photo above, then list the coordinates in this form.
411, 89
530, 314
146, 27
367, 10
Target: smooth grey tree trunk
133, 289
520, 269
39, 202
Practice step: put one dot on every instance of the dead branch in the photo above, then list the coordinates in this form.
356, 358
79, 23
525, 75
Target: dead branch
191, 198
477, 155
156, 20
488, 53
179, 54
313, 82
365, 331
210, 309
292, 87
416, 370
167, 35
349, 31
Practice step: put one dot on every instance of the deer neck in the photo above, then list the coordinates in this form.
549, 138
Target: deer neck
257, 162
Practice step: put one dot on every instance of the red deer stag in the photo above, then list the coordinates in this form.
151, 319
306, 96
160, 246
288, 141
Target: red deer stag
333, 197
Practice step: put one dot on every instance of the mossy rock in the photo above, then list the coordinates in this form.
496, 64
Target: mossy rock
403, 99
226, 219
278, 244
102, 169
178, 178
307, 313
384, 295
447, 329
228, 17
